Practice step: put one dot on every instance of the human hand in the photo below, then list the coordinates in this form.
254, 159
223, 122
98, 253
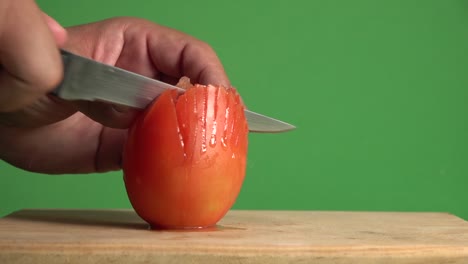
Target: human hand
53, 136
29, 57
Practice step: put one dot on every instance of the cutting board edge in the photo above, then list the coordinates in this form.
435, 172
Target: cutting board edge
251, 210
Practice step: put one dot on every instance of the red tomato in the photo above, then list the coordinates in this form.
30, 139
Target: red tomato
185, 157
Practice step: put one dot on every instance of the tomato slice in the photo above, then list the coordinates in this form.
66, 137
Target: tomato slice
185, 158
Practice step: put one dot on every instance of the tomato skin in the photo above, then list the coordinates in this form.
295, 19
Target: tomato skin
184, 160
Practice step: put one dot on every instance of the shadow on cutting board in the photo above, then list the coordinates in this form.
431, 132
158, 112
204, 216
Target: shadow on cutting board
127, 219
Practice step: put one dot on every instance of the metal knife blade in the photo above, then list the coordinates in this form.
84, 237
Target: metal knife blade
86, 79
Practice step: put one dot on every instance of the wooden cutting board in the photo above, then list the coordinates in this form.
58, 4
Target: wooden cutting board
119, 236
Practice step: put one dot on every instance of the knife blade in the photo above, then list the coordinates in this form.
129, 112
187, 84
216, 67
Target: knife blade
86, 79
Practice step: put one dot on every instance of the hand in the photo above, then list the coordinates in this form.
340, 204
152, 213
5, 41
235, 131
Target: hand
53, 136
30, 61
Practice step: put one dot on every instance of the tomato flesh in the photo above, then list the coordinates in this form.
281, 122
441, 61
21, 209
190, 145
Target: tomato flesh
185, 157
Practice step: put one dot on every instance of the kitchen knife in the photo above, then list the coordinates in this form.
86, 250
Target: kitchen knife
86, 79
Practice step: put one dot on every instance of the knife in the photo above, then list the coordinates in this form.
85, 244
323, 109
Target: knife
86, 79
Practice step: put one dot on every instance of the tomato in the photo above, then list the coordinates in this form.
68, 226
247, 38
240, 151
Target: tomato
184, 160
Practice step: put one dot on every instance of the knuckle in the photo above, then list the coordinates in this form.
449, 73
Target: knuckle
204, 46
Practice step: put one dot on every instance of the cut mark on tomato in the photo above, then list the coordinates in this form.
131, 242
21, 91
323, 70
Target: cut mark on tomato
207, 116
215, 121
204, 114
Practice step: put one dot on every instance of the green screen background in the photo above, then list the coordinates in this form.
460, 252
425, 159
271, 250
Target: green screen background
378, 91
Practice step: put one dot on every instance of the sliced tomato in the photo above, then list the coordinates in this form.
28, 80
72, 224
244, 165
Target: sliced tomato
185, 158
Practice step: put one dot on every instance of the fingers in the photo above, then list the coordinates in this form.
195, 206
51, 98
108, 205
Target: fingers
146, 48
74, 145
167, 54
109, 153
188, 57
44, 111
112, 116
30, 61
200, 61
59, 33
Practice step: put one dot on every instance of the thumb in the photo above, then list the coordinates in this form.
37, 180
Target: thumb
30, 61
59, 33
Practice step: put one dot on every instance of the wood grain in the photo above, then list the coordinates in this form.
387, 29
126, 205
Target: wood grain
119, 236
